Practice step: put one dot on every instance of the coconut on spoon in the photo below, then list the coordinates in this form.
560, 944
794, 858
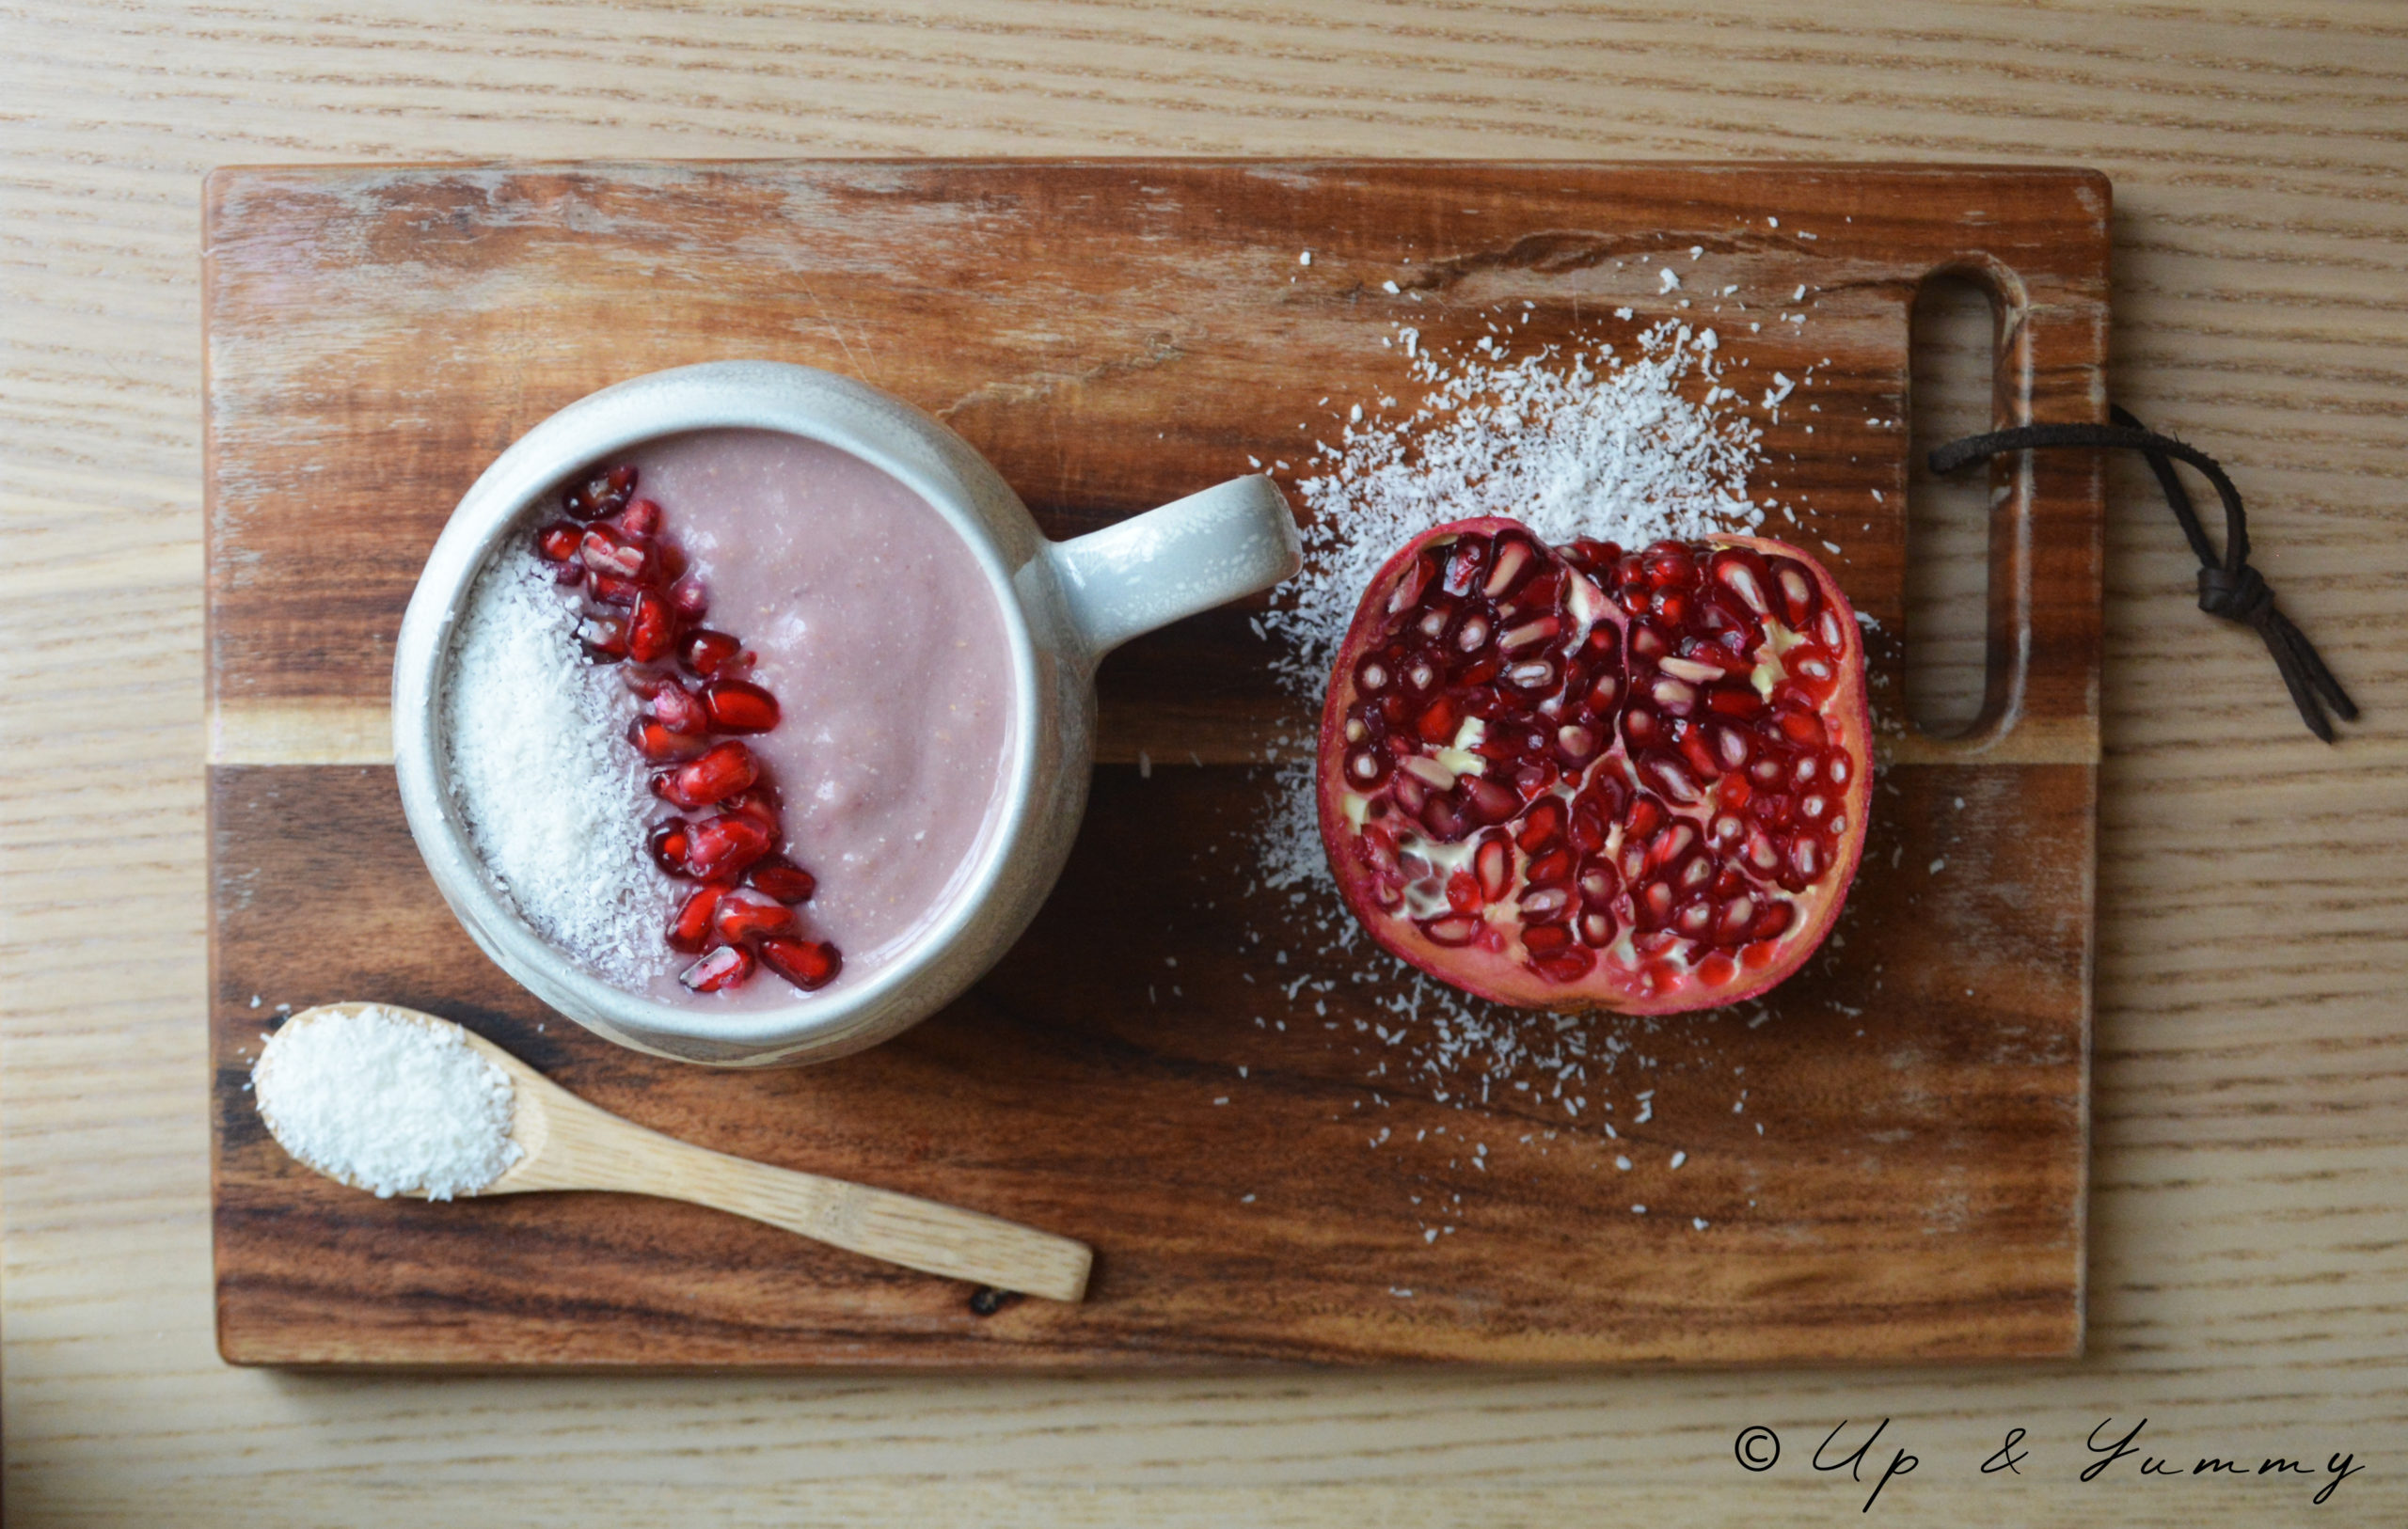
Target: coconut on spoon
396, 1102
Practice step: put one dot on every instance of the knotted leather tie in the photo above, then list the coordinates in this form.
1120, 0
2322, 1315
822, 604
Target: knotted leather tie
2229, 587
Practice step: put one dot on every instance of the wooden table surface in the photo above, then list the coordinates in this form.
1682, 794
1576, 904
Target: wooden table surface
2250, 1183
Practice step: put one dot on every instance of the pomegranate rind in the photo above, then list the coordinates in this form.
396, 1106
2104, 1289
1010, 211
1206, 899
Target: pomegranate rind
1493, 970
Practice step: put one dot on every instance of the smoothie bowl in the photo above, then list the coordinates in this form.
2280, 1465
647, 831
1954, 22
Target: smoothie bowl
744, 715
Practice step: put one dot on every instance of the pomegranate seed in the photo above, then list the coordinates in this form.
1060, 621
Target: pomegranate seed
781, 878
740, 706
1798, 596
1495, 863
1554, 865
1743, 574
1546, 938
1462, 893
729, 966
1436, 723
678, 709
610, 590
641, 518
651, 629
1545, 819
722, 770
557, 541
705, 652
601, 493
760, 804
605, 639
671, 842
689, 598
1453, 929
744, 916
657, 744
807, 964
609, 550
724, 845
689, 928
1566, 965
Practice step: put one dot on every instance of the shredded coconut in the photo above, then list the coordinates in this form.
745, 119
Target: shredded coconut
554, 800
387, 1101
1626, 446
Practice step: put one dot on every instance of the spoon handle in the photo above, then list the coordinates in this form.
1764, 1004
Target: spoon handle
898, 1228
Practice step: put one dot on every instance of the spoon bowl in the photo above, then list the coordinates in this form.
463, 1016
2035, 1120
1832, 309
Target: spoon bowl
567, 1143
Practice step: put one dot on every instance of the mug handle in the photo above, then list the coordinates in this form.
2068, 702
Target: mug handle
1232, 540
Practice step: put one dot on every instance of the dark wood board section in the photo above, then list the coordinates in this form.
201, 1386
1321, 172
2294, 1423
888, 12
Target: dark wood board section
1882, 1161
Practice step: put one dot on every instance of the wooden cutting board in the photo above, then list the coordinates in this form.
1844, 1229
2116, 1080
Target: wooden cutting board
1883, 1160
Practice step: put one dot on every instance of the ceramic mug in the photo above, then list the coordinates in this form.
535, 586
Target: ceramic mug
1064, 603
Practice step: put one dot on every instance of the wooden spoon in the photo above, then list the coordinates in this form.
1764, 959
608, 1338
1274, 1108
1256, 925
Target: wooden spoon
570, 1144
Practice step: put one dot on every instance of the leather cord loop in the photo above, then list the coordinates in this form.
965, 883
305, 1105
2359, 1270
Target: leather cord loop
2229, 587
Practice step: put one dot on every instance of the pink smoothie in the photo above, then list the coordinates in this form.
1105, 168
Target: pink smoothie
881, 639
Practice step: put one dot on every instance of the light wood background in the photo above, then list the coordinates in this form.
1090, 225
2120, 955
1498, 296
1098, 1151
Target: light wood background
2250, 1235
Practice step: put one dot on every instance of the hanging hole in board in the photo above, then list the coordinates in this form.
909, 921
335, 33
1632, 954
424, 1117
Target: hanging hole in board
1951, 392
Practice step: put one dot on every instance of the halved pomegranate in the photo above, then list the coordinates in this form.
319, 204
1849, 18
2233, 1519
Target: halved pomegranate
1576, 778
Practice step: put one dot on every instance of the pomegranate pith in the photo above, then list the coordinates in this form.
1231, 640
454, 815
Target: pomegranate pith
1578, 778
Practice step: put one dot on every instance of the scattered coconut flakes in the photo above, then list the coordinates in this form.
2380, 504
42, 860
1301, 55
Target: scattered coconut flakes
383, 1100
1588, 444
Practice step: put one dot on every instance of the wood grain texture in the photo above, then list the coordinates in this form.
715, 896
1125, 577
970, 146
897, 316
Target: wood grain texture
2248, 1207
1898, 1169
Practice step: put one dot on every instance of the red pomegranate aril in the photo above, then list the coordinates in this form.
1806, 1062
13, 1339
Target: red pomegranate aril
610, 590
1798, 599
1462, 893
705, 652
780, 878
724, 846
807, 964
659, 745
690, 927
1546, 938
740, 706
1454, 929
679, 710
601, 492
729, 966
1743, 574
641, 518
759, 804
610, 550
558, 542
651, 629
1541, 825
1617, 701
1554, 865
1437, 721
670, 843
1494, 865
690, 599
605, 639
744, 916
722, 771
